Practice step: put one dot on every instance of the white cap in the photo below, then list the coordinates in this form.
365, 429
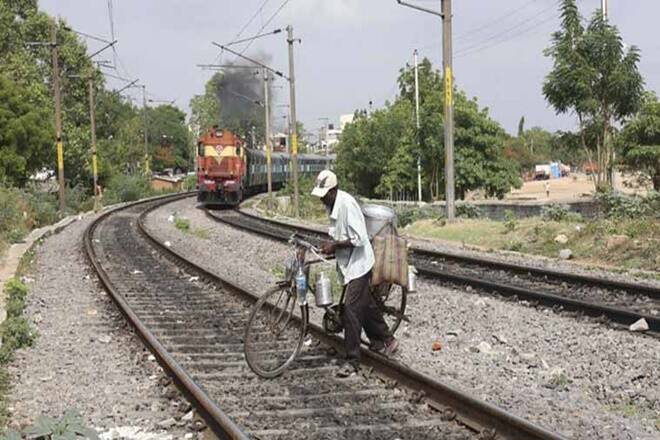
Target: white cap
324, 183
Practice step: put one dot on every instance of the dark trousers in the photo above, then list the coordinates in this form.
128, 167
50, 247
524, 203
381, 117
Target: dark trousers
361, 311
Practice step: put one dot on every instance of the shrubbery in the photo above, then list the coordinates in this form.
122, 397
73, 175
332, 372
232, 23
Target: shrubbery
127, 189
15, 330
617, 206
559, 213
407, 216
467, 210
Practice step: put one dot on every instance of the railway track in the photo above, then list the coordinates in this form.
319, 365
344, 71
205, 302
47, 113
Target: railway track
620, 302
193, 323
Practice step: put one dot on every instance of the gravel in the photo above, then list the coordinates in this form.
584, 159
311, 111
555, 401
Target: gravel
576, 377
614, 274
85, 357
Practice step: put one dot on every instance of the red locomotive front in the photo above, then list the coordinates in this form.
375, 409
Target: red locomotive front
220, 167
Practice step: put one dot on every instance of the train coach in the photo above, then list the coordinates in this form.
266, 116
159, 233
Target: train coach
228, 171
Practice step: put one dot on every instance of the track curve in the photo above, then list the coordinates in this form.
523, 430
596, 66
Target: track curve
192, 321
621, 302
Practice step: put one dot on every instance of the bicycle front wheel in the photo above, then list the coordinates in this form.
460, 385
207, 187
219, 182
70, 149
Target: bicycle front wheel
274, 334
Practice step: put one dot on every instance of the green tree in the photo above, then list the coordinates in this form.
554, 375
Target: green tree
595, 78
205, 108
641, 141
25, 140
378, 152
169, 136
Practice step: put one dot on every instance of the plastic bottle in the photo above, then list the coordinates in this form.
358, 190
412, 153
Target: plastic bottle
301, 286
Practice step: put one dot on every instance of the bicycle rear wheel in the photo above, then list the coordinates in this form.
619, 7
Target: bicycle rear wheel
274, 334
391, 300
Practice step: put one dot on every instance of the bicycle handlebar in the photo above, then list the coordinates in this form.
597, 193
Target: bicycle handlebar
297, 241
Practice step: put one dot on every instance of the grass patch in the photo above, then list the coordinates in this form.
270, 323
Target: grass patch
182, 224
69, 426
587, 241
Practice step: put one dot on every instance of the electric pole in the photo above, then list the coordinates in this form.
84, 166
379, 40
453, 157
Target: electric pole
604, 8
449, 108
293, 121
58, 114
419, 153
268, 141
449, 98
147, 169
92, 119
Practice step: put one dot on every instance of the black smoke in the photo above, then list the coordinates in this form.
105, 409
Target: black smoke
241, 95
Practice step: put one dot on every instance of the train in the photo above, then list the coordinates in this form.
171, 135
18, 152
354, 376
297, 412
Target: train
228, 171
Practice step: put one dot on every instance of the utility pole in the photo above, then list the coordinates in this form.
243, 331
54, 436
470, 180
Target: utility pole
449, 108
147, 169
449, 99
92, 119
268, 141
324, 130
419, 153
604, 8
293, 121
58, 114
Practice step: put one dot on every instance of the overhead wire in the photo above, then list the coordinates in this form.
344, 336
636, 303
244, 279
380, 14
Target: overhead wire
468, 34
263, 26
508, 34
245, 26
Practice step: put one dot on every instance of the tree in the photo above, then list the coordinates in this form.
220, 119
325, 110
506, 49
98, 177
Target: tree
169, 137
594, 78
521, 126
378, 152
25, 140
641, 141
205, 108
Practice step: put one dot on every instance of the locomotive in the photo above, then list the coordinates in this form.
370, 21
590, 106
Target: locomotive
228, 171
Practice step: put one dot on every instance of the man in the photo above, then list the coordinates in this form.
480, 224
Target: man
355, 259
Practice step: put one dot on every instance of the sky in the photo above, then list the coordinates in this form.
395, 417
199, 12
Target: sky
351, 50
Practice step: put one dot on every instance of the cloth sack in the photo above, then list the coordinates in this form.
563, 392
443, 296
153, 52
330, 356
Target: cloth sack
391, 265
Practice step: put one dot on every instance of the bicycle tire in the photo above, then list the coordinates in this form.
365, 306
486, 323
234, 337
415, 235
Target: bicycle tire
393, 309
258, 316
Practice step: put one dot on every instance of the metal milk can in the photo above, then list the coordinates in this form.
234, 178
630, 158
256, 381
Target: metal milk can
412, 279
323, 293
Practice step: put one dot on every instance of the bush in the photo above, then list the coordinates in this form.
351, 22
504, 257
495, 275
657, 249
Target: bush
190, 183
559, 213
78, 199
44, 208
510, 221
15, 330
123, 188
13, 212
467, 210
408, 216
615, 205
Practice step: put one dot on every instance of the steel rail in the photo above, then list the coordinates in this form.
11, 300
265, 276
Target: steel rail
634, 288
470, 411
217, 421
618, 315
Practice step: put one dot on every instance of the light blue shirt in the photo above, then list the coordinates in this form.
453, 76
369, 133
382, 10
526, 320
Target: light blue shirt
347, 223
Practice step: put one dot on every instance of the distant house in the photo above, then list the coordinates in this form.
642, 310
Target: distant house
166, 182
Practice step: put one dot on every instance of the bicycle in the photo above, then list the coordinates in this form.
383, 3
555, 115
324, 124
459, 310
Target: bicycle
276, 329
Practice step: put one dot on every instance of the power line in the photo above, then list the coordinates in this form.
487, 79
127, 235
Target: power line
112, 30
263, 26
479, 29
245, 26
505, 35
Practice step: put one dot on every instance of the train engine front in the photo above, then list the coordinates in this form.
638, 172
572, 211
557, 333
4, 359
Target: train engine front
220, 168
